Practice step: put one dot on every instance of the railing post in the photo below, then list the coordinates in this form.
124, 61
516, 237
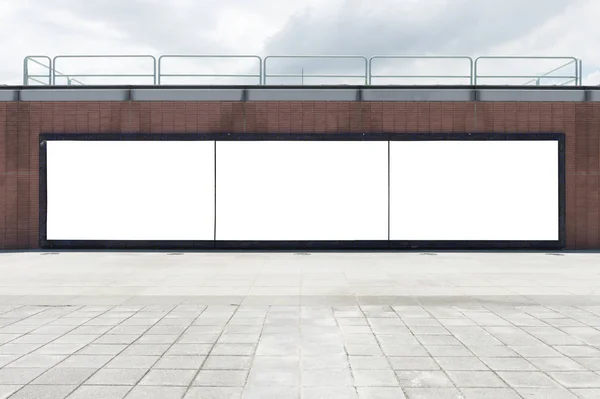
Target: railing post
154, 66
25, 72
265, 70
159, 68
471, 70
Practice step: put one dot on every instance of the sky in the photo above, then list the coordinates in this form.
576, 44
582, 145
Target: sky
471, 28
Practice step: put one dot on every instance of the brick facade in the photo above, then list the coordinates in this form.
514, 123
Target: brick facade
21, 123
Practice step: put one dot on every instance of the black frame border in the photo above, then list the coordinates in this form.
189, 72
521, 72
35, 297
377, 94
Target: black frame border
300, 245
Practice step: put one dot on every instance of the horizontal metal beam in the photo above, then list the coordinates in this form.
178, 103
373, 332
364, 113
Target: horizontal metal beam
299, 93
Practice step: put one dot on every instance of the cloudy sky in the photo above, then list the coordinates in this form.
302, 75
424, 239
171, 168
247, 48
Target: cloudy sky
285, 27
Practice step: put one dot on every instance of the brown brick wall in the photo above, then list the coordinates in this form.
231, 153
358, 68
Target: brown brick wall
21, 123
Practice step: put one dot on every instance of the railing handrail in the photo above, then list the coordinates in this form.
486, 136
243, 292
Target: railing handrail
32, 58
417, 57
367, 70
576, 77
51, 71
554, 70
147, 56
246, 56
341, 57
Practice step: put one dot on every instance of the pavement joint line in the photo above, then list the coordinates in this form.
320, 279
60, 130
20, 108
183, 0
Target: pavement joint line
187, 389
51, 368
126, 347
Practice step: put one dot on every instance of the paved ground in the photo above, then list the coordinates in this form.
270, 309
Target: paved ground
280, 325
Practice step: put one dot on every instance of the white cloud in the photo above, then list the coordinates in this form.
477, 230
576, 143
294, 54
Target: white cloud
269, 27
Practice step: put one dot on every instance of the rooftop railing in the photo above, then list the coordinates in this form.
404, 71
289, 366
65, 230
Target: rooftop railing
378, 70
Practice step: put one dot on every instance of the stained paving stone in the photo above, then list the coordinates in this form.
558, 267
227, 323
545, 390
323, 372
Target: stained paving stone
116, 377
536, 351
227, 363
45, 392
590, 363
37, 361
374, 378
141, 392
221, 378
213, 393
369, 363
489, 393
509, 364
268, 376
328, 378
195, 338
492, 351
319, 362
125, 339
423, 379
180, 362
145, 350
7, 390
233, 350
587, 393
448, 351
432, 393
380, 393
329, 393
64, 376
403, 350
59, 349
558, 364
132, 362
545, 393
19, 376
413, 363
97, 349
84, 361
168, 377
475, 379
283, 362
100, 392
4, 338
527, 379
461, 363
439, 340
18, 349
266, 392
579, 351
364, 349
577, 379
189, 350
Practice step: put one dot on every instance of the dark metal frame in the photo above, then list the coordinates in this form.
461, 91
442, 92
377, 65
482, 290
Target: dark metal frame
304, 245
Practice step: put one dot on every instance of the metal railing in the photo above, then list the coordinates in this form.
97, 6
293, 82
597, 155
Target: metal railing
363, 60
103, 75
548, 75
537, 78
262, 72
161, 73
372, 75
28, 77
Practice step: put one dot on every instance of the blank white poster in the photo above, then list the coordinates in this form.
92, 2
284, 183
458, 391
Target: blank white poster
130, 190
474, 190
302, 190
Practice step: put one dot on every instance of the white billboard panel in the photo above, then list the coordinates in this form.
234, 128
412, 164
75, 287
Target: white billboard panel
474, 190
130, 190
302, 190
